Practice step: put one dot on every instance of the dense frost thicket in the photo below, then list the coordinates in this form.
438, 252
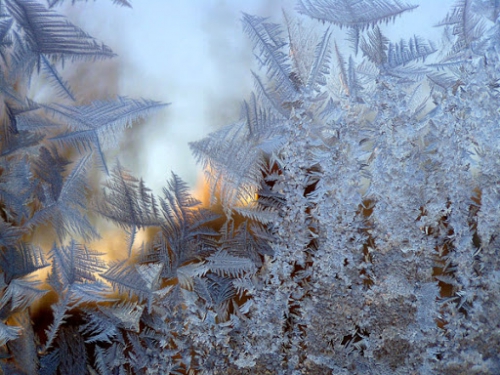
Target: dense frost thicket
354, 221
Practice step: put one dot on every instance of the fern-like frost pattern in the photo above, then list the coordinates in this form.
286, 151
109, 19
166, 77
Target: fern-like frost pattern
353, 221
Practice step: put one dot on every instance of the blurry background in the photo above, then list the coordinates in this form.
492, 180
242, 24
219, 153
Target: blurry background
194, 55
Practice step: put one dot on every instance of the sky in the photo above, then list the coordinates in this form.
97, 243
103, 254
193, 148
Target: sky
194, 55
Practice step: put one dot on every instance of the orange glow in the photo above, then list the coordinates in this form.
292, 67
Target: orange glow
201, 191
112, 245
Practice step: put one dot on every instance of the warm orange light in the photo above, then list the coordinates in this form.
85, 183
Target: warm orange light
202, 191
